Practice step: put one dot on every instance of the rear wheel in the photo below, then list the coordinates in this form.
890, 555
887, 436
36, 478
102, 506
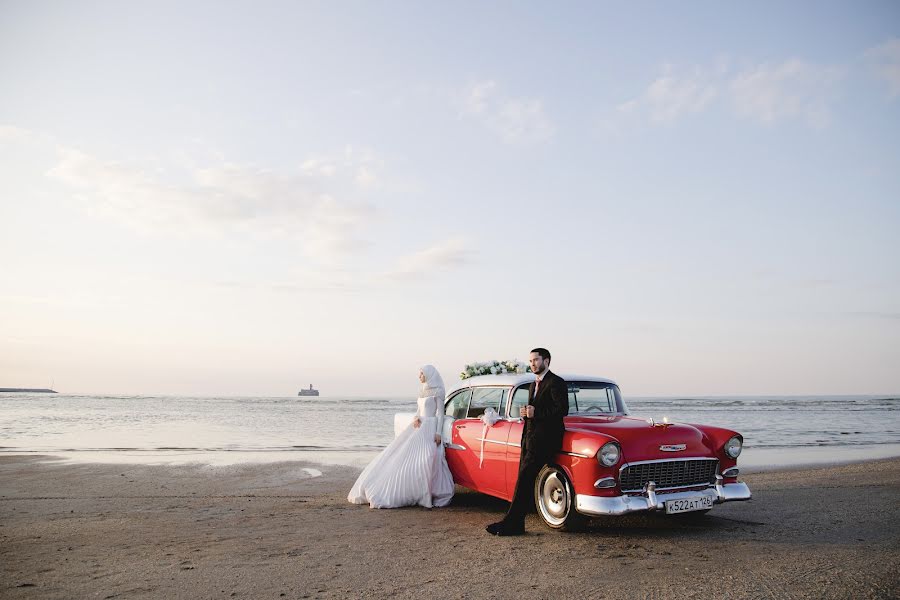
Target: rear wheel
555, 500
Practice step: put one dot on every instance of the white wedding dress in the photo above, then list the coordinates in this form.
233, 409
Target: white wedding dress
412, 469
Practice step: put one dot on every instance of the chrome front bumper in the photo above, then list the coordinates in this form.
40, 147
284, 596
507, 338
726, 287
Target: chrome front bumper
650, 500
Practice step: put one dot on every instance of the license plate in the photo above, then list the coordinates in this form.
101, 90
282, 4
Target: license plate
688, 504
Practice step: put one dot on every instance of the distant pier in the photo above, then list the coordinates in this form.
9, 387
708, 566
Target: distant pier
29, 390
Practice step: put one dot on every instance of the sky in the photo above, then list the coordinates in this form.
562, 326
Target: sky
245, 198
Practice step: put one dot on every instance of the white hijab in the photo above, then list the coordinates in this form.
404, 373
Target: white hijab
434, 385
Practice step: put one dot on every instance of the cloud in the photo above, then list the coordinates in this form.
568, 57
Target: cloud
441, 257
321, 205
794, 88
885, 60
518, 121
11, 133
445, 255
765, 92
310, 203
671, 96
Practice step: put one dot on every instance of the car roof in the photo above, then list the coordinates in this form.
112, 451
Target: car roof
514, 379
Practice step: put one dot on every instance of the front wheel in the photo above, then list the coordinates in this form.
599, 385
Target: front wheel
555, 500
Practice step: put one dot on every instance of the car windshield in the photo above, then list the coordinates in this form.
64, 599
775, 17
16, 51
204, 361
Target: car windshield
595, 397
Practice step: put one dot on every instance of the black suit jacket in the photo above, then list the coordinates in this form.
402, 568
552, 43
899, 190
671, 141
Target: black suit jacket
544, 432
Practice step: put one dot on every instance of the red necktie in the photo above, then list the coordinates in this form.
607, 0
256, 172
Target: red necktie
537, 384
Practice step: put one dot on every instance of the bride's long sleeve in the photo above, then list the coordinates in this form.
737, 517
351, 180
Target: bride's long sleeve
418, 416
438, 396
439, 411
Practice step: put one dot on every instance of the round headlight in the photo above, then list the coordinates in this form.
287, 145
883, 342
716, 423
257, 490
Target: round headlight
733, 447
609, 454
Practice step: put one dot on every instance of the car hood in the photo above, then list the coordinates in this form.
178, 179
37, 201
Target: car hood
640, 440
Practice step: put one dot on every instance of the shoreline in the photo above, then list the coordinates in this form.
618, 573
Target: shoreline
285, 530
753, 460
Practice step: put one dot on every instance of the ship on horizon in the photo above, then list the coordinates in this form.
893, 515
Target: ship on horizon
310, 392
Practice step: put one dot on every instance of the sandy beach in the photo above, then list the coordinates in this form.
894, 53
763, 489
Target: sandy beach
285, 531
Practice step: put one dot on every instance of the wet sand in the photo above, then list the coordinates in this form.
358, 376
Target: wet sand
277, 531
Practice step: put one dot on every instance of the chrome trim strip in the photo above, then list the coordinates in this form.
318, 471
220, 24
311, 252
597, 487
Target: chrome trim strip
576, 454
620, 505
487, 441
514, 445
453, 446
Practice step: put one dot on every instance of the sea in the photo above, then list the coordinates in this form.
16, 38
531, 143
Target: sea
778, 430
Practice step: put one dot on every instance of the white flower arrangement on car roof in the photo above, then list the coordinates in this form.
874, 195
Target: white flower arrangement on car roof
494, 367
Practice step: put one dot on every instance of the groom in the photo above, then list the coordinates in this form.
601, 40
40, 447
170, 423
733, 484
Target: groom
548, 403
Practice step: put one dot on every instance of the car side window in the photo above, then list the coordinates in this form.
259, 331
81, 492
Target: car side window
458, 404
483, 398
520, 399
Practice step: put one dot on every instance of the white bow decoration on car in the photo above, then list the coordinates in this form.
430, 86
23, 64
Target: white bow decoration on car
489, 417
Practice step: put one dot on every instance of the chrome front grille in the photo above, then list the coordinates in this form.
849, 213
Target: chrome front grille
668, 473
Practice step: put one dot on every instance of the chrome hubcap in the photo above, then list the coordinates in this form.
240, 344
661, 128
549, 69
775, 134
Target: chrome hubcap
554, 499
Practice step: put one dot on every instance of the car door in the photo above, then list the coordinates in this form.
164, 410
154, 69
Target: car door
455, 419
483, 463
514, 438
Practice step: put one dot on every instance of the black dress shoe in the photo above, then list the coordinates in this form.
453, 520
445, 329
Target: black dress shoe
500, 528
494, 528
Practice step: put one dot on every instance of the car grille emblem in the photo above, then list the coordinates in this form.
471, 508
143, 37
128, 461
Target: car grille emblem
673, 447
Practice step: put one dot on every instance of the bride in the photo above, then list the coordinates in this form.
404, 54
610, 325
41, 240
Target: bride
412, 469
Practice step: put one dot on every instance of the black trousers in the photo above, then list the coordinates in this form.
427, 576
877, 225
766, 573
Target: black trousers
530, 464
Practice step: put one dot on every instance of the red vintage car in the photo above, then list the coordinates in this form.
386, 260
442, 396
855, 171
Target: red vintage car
610, 463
